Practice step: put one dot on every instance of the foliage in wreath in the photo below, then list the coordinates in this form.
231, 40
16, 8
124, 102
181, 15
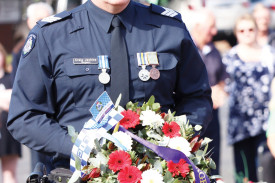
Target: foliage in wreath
109, 164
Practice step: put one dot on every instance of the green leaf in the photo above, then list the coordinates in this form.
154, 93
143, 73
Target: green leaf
153, 135
97, 145
158, 167
212, 164
72, 133
199, 154
77, 162
168, 178
151, 100
156, 107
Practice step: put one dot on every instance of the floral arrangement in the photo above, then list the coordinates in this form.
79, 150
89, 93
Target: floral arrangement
138, 164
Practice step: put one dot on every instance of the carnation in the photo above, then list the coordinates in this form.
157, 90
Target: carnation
151, 176
181, 144
119, 160
124, 139
150, 118
130, 174
130, 120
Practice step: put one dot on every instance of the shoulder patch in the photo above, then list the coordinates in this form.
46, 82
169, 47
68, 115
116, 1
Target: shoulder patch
53, 18
165, 12
30, 42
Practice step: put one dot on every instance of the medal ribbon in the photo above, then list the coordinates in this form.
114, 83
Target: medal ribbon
103, 62
142, 59
152, 58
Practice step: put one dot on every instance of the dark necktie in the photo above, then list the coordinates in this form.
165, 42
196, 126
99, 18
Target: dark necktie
119, 64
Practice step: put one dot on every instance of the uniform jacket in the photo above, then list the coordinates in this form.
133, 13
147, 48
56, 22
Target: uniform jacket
51, 91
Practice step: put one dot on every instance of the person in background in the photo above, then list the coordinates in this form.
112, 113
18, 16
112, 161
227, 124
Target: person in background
34, 12
10, 149
251, 69
263, 19
58, 76
203, 29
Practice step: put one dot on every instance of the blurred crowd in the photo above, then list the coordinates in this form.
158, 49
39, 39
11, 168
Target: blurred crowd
242, 75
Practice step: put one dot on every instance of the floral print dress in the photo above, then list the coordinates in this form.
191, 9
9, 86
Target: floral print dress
248, 86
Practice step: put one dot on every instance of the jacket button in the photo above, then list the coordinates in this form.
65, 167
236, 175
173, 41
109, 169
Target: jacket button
87, 69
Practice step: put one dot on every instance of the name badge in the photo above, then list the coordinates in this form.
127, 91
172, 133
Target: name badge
85, 61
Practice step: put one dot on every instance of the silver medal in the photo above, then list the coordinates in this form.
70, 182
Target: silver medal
144, 75
104, 77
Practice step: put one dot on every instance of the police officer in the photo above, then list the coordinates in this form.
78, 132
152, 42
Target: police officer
58, 75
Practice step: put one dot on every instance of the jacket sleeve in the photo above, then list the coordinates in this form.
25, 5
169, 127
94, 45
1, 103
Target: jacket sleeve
193, 92
31, 118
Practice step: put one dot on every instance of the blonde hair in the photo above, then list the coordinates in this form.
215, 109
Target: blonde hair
247, 17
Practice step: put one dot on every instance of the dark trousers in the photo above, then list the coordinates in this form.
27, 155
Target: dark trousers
213, 132
246, 157
266, 170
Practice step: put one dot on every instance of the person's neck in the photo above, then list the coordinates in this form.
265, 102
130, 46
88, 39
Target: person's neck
249, 46
262, 37
263, 33
110, 8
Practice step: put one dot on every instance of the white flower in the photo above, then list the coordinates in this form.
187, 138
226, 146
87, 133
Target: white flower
181, 144
124, 139
151, 176
151, 119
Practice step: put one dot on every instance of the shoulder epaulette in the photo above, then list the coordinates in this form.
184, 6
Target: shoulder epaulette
53, 18
165, 11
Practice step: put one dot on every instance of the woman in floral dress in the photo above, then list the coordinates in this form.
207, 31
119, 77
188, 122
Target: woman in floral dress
251, 69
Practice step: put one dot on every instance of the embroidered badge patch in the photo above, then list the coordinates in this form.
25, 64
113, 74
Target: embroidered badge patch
29, 44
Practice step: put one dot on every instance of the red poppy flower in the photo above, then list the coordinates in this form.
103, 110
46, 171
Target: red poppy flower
119, 160
130, 120
181, 168
130, 174
171, 130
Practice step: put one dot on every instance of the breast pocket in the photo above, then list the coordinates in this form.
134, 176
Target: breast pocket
84, 82
164, 85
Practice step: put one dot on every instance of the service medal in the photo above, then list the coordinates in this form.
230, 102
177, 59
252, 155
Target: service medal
104, 77
144, 74
154, 73
103, 64
152, 58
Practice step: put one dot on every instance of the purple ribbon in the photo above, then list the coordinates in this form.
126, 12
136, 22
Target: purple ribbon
170, 154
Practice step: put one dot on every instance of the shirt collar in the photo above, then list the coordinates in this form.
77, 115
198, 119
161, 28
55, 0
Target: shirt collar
104, 19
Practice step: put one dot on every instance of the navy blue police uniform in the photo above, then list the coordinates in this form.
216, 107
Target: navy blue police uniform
57, 79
